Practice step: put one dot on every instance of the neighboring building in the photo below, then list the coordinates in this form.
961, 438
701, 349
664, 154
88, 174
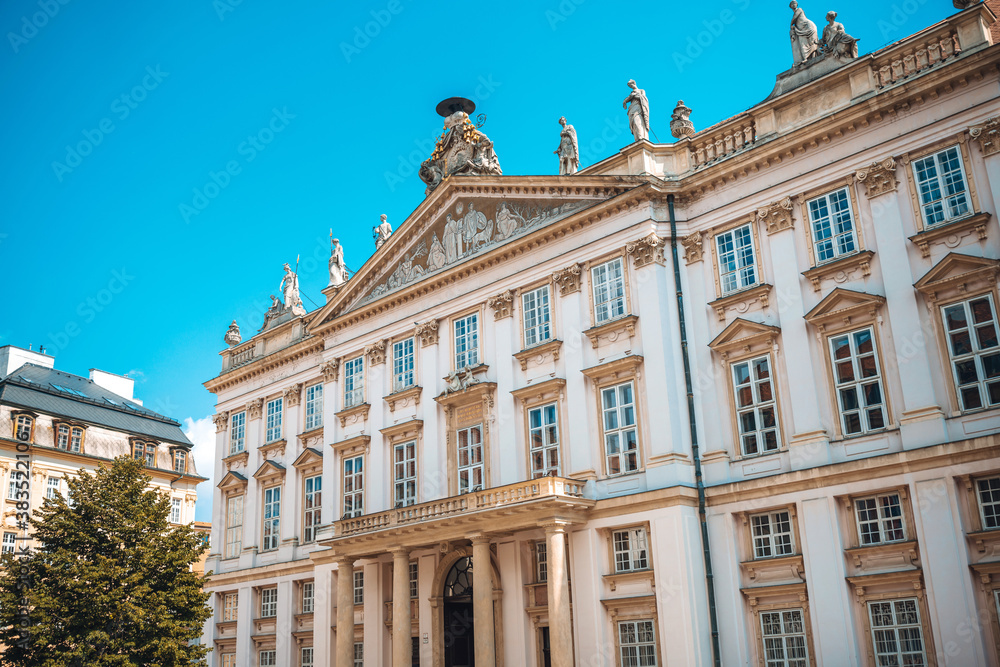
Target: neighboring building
205, 528
72, 422
482, 443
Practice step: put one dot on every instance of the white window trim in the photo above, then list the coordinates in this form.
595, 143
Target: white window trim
314, 406
547, 444
468, 355
882, 518
896, 626
616, 304
773, 517
740, 282
784, 636
274, 413
269, 602
628, 660
404, 484
271, 533
967, 190
315, 512
354, 382
980, 505
620, 430
357, 492
858, 383
834, 236
976, 355
757, 406
308, 597
237, 432
637, 552
234, 531
404, 364
539, 311
467, 473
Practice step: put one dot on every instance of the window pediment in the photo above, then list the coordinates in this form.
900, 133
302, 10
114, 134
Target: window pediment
232, 481
614, 370
540, 390
745, 336
407, 430
841, 270
477, 392
356, 413
958, 275
742, 300
612, 331
538, 353
359, 444
310, 460
952, 233
843, 308
404, 398
269, 471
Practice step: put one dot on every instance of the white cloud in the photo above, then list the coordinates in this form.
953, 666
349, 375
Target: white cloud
202, 434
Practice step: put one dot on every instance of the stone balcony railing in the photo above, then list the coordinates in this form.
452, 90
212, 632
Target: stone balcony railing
722, 141
476, 501
900, 64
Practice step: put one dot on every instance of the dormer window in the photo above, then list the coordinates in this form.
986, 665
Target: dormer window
180, 461
69, 437
24, 428
145, 452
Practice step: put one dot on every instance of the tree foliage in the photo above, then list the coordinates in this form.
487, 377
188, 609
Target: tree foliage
109, 582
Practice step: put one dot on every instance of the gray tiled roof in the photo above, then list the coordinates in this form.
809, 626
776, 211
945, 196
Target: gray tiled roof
37, 388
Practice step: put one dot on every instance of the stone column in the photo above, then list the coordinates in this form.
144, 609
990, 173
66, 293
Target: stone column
402, 648
345, 612
560, 622
482, 601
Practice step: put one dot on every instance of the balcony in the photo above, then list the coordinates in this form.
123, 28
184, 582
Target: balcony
512, 507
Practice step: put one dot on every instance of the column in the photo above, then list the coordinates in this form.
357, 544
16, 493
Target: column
482, 601
323, 580
402, 648
560, 623
286, 644
244, 626
345, 612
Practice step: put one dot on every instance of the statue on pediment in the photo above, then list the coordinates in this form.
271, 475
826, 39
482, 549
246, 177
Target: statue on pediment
290, 290
437, 257
507, 221
338, 270
461, 149
803, 35
569, 150
638, 111
836, 41
382, 231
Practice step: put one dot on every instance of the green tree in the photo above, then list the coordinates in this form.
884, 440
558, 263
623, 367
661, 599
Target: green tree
109, 583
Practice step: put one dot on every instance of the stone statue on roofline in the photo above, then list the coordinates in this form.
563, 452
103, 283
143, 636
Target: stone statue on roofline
836, 42
569, 149
802, 32
290, 290
338, 270
382, 231
638, 111
461, 149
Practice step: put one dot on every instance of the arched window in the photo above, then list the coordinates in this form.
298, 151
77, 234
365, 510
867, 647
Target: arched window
458, 583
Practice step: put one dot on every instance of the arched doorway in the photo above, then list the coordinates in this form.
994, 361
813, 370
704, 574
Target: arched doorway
459, 625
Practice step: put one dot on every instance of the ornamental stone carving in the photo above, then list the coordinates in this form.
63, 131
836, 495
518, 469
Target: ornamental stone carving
879, 178
376, 352
330, 370
777, 216
233, 336
254, 408
645, 251
680, 125
427, 332
221, 421
988, 136
462, 148
569, 279
502, 305
293, 394
694, 248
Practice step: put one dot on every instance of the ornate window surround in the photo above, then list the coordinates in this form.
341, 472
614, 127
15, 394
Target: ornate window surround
554, 313
480, 311
537, 395
758, 255
611, 373
588, 267
886, 587
411, 430
778, 598
463, 409
962, 140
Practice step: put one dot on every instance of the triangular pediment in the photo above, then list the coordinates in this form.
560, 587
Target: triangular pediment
743, 333
268, 469
308, 458
463, 222
232, 480
957, 269
844, 304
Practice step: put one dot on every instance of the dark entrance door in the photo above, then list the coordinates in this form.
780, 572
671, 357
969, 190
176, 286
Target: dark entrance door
459, 635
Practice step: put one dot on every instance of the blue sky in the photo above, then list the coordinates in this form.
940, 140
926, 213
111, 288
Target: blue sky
129, 247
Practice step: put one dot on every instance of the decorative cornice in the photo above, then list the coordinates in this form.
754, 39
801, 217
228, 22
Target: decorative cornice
330, 370
777, 216
413, 393
694, 247
612, 330
293, 395
988, 136
616, 368
502, 305
840, 270
744, 298
569, 279
952, 233
646, 251
879, 178
254, 408
221, 421
376, 352
538, 353
427, 332
958, 274
353, 413
359, 444
261, 366
539, 390
843, 308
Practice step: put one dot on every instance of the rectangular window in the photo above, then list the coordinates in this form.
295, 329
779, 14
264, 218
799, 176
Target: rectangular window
414, 580
359, 654
467, 341
609, 290
230, 606
637, 643
988, 495
268, 658
180, 461
62, 436
772, 534
312, 507
537, 316
22, 428
307, 658
403, 365
234, 526
737, 262
145, 452
175, 510
9, 543
621, 440
630, 550
273, 420
75, 439
975, 356
404, 473
314, 406
832, 225
541, 562
268, 602
237, 432
784, 635
470, 459
359, 587
228, 660
880, 519
858, 380
543, 440
941, 183
354, 382
52, 488
308, 597
896, 633
272, 518
756, 408
354, 486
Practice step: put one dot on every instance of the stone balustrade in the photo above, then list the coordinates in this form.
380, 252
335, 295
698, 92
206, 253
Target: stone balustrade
723, 141
924, 54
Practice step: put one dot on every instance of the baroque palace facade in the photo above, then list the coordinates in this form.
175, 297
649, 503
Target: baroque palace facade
733, 399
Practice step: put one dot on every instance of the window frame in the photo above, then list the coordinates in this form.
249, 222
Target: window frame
148, 449
853, 210
312, 507
237, 444
16, 424
605, 456
400, 367
357, 495
934, 155
176, 504
230, 612
471, 353
234, 547
626, 302
313, 407
414, 576
274, 420
270, 536
272, 657
358, 586
73, 444
755, 406
548, 324
182, 454
975, 355
8, 546
979, 501
758, 269
49, 487
968, 172
905, 519
857, 384
544, 429
642, 545
892, 602
266, 603
407, 482
307, 594
540, 555
783, 635
620, 648
790, 518
303, 662
353, 393
470, 468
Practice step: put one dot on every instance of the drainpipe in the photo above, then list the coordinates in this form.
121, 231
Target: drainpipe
699, 481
